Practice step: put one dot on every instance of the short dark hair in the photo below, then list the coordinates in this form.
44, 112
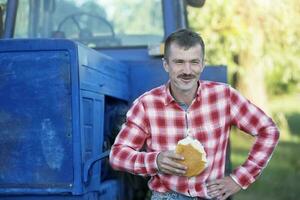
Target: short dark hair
184, 38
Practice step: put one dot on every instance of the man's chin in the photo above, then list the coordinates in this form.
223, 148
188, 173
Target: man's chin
186, 87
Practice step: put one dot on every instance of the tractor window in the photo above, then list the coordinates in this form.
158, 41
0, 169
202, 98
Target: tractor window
96, 23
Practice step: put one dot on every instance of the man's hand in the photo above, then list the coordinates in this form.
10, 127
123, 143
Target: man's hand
222, 188
166, 162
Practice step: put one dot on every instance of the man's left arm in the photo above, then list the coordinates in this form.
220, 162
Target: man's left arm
249, 118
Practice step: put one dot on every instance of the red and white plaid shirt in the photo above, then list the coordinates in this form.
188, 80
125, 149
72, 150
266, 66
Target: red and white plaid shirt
157, 120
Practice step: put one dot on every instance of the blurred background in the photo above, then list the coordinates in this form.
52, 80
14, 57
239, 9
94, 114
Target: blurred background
259, 42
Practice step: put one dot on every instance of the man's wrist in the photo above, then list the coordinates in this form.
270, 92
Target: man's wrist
236, 181
157, 165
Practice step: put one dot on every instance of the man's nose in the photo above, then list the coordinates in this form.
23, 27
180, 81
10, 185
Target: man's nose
187, 68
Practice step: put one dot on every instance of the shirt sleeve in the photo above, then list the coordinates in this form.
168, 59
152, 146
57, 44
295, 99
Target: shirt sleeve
249, 118
126, 154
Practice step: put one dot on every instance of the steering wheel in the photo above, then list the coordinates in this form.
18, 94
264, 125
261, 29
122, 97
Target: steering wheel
87, 35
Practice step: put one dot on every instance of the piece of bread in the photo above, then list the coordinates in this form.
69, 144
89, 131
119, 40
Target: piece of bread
194, 156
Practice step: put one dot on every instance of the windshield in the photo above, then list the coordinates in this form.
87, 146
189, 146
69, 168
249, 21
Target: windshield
96, 23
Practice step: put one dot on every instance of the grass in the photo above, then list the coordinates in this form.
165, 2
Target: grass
280, 179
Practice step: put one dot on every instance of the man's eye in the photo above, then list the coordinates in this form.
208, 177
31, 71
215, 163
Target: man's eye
195, 62
178, 62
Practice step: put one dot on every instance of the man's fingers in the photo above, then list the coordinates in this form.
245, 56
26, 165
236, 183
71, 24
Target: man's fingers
173, 155
173, 164
219, 193
213, 191
214, 182
171, 170
215, 187
213, 194
166, 162
222, 188
224, 196
173, 167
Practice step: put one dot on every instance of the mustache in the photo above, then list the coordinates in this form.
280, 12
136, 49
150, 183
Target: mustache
186, 76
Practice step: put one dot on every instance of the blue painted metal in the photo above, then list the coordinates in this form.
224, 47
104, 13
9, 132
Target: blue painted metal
169, 12
35, 123
109, 190
128, 54
88, 165
92, 128
10, 18
52, 117
103, 73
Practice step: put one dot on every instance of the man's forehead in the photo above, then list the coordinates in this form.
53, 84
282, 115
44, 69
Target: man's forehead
184, 47
178, 51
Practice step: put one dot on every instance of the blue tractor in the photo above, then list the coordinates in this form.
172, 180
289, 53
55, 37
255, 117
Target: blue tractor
69, 71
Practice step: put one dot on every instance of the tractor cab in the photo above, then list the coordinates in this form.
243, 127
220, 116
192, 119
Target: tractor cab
97, 24
69, 71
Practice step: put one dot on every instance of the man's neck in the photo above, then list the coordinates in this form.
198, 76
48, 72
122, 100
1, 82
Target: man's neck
183, 96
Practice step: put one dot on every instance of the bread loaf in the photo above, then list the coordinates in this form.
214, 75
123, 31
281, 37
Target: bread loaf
194, 156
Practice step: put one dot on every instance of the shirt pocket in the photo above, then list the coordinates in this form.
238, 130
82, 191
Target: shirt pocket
210, 137
166, 138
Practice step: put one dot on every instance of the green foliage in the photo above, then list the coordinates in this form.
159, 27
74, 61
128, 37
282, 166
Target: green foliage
265, 28
286, 112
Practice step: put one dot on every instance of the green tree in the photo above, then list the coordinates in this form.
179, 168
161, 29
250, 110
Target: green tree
256, 39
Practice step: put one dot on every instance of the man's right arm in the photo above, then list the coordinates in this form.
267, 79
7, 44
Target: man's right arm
126, 154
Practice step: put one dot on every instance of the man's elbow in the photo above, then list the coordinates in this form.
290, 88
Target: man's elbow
112, 159
115, 159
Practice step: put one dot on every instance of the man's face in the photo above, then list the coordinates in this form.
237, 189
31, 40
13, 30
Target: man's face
184, 67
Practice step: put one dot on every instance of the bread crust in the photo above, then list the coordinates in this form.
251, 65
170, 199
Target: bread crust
192, 159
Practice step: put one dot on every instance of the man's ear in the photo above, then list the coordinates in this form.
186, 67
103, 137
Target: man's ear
203, 66
165, 64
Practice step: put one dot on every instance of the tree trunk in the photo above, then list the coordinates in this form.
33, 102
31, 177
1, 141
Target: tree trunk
251, 75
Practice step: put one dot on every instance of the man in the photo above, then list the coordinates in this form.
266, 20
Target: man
203, 110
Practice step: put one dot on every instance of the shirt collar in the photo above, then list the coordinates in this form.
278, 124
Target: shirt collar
169, 98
